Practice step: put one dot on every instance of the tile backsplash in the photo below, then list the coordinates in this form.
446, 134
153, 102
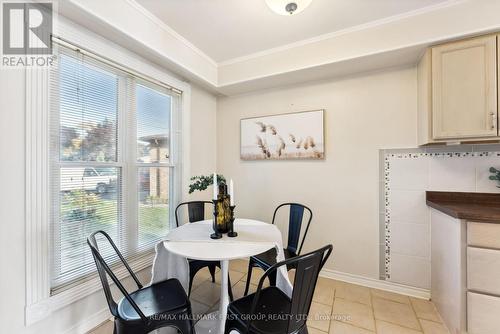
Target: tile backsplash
405, 217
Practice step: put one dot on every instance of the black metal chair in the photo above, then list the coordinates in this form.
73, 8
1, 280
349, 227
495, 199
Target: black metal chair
267, 259
163, 304
270, 310
196, 213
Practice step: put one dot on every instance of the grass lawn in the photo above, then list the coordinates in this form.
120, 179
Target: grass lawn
102, 214
153, 221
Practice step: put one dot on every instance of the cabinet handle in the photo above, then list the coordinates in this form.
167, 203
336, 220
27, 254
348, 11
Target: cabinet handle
493, 120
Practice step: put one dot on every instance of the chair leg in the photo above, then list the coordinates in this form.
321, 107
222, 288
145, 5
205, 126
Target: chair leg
230, 289
185, 326
211, 268
192, 273
272, 278
231, 325
124, 328
234, 325
190, 286
249, 276
193, 269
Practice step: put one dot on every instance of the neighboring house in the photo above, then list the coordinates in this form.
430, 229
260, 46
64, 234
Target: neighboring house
156, 180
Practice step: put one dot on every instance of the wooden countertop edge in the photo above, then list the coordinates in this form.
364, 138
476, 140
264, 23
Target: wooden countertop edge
463, 215
470, 207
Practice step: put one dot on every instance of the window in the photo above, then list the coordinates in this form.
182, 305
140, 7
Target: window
111, 163
152, 156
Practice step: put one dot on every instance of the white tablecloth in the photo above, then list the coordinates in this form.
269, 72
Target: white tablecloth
250, 233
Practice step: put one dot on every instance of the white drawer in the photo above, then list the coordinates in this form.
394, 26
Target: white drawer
482, 314
483, 235
483, 270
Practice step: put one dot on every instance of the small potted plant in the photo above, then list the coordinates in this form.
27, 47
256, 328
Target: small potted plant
202, 182
495, 176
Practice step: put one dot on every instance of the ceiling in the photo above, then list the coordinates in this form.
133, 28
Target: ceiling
228, 29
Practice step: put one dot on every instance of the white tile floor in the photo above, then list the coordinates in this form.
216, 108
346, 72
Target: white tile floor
337, 308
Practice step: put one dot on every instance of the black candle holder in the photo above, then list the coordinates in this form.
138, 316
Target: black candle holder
216, 234
231, 232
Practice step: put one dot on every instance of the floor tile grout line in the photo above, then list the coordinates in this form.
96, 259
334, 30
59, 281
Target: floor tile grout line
436, 322
354, 325
373, 311
314, 301
435, 310
329, 317
416, 315
199, 302
351, 324
392, 300
353, 301
400, 325
404, 327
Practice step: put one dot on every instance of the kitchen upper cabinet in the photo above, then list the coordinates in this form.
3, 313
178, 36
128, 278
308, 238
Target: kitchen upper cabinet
464, 89
458, 91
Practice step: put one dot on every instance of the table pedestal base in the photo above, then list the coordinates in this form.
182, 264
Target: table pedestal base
214, 323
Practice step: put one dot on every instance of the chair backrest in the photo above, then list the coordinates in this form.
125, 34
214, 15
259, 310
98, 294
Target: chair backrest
295, 221
196, 211
307, 268
104, 270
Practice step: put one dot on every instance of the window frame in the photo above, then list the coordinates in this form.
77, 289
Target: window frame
126, 161
39, 302
173, 153
57, 164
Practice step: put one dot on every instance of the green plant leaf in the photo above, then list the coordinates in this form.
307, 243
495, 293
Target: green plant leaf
202, 182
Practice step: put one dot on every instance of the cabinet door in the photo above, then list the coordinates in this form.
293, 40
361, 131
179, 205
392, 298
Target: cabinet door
483, 270
464, 89
482, 313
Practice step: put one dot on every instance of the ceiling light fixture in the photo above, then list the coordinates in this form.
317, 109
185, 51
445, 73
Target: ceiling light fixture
288, 7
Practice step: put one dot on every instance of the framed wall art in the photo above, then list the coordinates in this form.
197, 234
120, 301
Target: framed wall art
298, 135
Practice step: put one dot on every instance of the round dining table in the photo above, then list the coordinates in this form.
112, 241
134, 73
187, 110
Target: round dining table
192, 241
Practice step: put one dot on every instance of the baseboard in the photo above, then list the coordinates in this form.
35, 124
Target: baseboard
89, 323
377, 284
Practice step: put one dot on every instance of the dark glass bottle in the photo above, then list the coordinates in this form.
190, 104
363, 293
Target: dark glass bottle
224, 212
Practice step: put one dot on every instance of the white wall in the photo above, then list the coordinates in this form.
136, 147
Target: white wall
363, 114
203, 137
75, 317
12, 139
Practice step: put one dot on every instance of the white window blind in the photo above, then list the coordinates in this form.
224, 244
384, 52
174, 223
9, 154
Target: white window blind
111, 162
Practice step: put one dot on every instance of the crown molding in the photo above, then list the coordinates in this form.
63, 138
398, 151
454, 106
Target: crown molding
146, 37
162, 25
320, 38
392, 59
372, 46
367, 49
372, 24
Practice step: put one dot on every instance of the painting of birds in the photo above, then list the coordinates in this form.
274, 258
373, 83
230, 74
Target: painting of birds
262, 126
296, 135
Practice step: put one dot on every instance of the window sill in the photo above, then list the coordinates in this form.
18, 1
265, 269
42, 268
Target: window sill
44, 308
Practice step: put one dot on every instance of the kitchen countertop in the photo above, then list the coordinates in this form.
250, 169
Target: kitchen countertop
478, 207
